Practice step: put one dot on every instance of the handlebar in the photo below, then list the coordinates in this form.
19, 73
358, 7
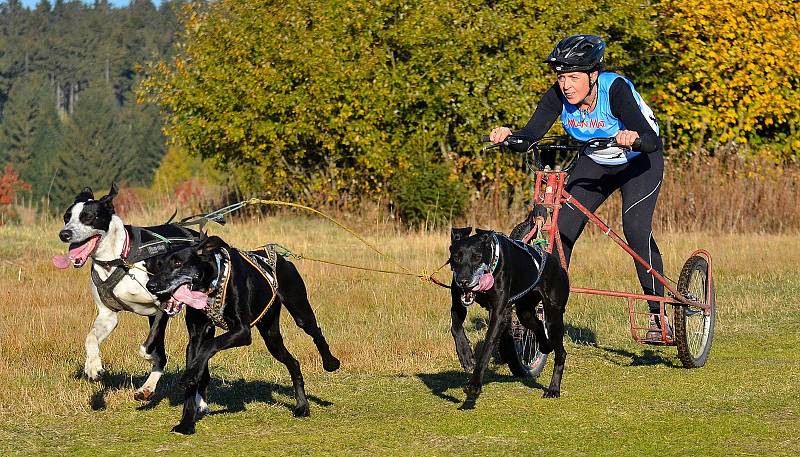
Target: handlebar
557, 144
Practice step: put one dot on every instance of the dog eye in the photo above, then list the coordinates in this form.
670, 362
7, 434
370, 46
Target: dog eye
476, 258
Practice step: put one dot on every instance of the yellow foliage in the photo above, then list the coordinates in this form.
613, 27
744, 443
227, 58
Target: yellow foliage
733, 58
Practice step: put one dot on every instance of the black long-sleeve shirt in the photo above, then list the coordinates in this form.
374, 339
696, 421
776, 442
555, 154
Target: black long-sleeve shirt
623, 107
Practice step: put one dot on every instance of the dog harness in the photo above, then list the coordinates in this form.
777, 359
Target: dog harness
263, 260
133, 251
539, 257
537, 254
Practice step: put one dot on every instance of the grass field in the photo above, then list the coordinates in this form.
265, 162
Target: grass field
399, 389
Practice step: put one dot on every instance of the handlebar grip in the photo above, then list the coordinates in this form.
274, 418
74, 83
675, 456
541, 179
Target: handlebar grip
485, 139
637, 143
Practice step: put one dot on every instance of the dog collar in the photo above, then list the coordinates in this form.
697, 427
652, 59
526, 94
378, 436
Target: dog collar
495, 254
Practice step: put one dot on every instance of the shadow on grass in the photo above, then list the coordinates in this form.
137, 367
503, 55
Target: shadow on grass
440, 383
648, 357
233, 396
580, 335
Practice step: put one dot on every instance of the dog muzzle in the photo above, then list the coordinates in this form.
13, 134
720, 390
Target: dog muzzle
485, 282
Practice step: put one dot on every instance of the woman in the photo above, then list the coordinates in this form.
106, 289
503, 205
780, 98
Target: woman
595, 103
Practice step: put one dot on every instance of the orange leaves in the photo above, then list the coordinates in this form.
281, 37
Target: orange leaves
10, 184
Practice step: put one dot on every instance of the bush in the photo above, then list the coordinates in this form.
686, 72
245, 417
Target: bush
427, 194
327, 99
729, 72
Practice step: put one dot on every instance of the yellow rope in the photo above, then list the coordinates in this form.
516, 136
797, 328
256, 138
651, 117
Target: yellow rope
407, 272
254, 201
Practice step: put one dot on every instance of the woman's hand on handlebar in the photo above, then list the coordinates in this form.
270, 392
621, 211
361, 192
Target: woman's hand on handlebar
627, 138
499, 134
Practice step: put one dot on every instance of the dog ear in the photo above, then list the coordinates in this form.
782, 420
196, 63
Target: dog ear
113, 192
459, 233
107, 199
482, 231
85, 195
210, 244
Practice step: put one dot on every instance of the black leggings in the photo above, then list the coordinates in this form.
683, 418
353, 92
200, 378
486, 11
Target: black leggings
640, 181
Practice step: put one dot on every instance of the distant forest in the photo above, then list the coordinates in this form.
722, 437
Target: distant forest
68, 112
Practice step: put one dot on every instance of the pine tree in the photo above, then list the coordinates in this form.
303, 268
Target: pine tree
20, 122
93, 145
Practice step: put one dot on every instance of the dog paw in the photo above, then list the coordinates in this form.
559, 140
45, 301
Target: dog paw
550, 393
331, 364
184, 429
143, 394
301, 410
94, 369
472, 391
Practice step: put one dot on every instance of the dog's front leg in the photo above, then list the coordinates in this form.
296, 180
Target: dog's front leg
104, 324
200, 329
235, 337
189, 417
153, 350
473, 388
458, 313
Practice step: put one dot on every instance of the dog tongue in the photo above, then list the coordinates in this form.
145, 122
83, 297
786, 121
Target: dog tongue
61, 261
485, 283
81, 252
195, 299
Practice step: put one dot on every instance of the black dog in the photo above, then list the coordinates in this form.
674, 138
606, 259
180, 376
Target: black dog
201, 272
497, 271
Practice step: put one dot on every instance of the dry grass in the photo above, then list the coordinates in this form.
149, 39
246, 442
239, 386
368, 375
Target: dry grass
719, 194
379, 325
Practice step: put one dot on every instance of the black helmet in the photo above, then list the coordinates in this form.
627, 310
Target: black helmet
577, 53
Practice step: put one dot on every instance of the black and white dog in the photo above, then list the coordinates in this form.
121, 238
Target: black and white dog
234, 290
498, 272
119, 255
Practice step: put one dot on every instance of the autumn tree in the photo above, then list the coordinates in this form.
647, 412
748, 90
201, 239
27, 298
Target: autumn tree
730, 72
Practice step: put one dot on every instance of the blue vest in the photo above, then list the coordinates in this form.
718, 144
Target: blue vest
601, 123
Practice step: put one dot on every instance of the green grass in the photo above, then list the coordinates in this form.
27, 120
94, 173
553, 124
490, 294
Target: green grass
399, 389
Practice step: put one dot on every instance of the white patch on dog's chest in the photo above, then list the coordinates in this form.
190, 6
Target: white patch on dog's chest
132, 291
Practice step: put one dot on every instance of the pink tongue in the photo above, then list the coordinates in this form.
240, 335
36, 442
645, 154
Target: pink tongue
81, 252
61, 261
195, 299
484, 283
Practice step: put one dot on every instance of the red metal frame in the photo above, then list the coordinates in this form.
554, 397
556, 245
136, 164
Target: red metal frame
549, 192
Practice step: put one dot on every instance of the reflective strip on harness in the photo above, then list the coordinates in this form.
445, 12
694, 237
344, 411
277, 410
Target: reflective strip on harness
539, 257
264, 261
216, 301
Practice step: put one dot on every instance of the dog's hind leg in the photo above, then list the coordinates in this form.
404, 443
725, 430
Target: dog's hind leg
270, 330
526, 313
555, 303
555, 331
104, 324
294, 297
153, 350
